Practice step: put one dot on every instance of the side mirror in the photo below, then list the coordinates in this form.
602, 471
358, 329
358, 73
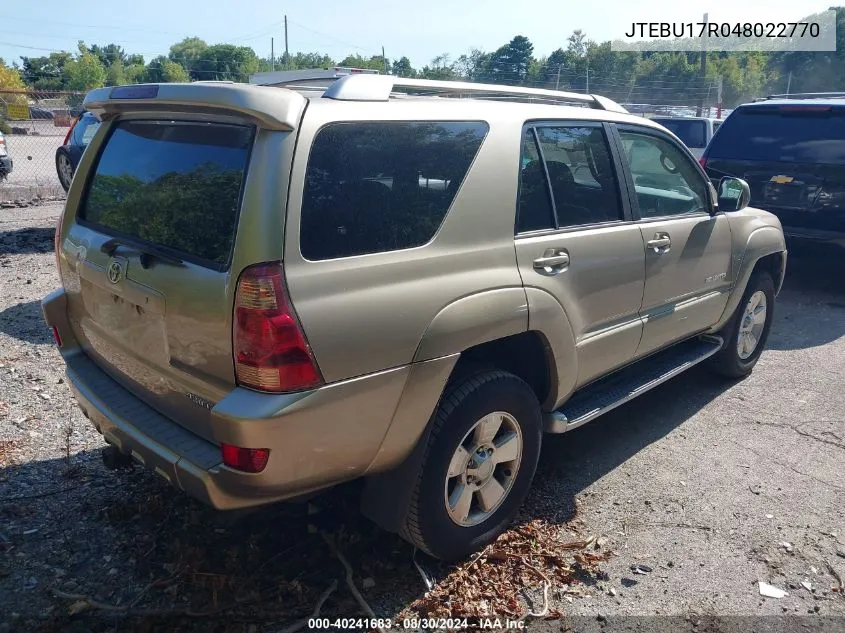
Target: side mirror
734, 194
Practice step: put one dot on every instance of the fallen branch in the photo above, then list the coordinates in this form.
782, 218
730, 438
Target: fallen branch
298, 626
41, 495
350, 582
129, 610
836, 575
546, 586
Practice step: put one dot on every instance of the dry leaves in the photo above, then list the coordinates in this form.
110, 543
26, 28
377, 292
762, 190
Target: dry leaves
535, 554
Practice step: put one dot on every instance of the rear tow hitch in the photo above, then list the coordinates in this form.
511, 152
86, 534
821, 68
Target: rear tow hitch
113, 459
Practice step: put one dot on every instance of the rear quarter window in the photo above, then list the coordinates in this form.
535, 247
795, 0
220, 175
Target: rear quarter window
175, 184
791, 134
692, 132
372, 187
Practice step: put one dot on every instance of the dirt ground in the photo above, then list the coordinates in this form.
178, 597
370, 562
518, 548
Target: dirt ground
710, 487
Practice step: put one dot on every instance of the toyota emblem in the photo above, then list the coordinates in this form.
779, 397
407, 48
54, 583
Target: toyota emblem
115, 272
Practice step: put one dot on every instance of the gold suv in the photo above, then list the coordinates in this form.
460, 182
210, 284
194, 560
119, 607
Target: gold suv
268, 291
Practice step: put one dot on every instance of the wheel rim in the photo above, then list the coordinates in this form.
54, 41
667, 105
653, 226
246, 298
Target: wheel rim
751, 325
65, 169
483, 468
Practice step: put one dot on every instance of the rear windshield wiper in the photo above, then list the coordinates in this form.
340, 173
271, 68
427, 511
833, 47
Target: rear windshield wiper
147, 252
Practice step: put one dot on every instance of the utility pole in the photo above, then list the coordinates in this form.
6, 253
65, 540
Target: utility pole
703, 64
588, 73
789, 82
557, 81
384, 59
272, 56
719, 102
287, 55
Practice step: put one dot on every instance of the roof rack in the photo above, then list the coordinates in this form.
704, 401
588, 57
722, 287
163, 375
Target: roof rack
382, 87
805, 95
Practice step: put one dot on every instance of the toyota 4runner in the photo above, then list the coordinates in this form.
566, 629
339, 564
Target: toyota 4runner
269, 291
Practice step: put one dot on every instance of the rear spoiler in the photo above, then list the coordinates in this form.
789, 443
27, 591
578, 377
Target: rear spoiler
271, 108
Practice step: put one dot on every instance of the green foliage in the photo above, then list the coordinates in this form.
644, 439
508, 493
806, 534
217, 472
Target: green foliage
402, 68
84, 73
115, 75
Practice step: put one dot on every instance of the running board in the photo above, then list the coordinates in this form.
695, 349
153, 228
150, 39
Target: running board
626, 384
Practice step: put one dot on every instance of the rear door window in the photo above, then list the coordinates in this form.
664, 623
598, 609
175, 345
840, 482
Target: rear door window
175, 184
789, 134
372, 187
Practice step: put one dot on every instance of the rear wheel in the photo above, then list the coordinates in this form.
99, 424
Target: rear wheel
64, 168
747, 331
481, 457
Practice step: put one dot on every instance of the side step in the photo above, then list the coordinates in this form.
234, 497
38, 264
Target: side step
625, 384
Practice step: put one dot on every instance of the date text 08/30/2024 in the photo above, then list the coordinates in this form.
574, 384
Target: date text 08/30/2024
415, 624
718, 30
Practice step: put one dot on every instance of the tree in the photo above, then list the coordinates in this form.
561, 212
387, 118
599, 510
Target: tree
115, 75
172, 72
85, 72
45, 73
472, 66
10, 78
441, 69
510, 64
135, 73
109, 54
188, 52
224, 62
402, 68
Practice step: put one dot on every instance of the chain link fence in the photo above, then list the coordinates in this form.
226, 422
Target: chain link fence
35, 124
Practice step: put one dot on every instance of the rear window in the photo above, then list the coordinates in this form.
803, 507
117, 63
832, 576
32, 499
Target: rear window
791, 135
372, 187
172, 183
84, 131
692, 132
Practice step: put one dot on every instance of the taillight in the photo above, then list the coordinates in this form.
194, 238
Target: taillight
248, 460
270, 350
70, 131
703, 162
57, 337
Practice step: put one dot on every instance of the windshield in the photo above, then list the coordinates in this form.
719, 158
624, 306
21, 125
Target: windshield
692, 132
791, 134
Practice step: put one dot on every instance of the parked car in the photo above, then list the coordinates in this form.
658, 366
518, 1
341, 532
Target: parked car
261, 301
695, 132
76, 140
791, 151
5, 159
38, 112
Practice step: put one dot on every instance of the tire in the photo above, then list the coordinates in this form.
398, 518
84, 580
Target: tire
729, 362
65, 173
470, 406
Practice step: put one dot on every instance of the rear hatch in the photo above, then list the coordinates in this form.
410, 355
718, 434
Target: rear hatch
793, 158
155, 236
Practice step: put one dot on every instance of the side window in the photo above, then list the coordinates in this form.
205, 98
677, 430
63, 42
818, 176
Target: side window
665, 180
376, 187
581, 172
535, 206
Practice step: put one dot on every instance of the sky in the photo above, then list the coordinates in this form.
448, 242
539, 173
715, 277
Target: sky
418, 30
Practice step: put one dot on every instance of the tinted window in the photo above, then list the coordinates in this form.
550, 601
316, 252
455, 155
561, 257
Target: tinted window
581, 174
84, 131
691, 131
374, 187
175, 184
791, 135
535, 206
665, 179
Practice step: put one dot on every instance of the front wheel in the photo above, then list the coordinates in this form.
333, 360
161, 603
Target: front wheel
748, 330
481, 457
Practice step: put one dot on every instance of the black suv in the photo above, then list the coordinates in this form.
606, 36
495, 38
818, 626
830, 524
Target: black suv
791, 151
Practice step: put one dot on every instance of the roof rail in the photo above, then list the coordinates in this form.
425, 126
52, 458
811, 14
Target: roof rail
805, 95
381, 87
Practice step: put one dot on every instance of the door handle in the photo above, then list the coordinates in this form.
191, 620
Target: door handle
552, 262
661, 243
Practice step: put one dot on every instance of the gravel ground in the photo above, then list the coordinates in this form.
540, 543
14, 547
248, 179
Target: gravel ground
711, 486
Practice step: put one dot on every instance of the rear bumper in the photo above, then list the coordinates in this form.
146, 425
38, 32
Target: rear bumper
316, 439
814, 235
